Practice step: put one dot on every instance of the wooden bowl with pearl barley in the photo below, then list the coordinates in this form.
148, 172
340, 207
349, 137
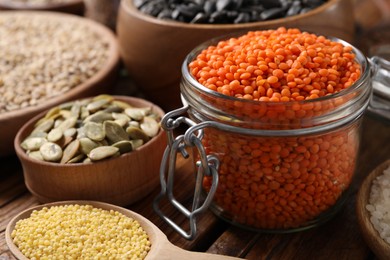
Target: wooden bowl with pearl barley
378, 245
119, 179
153, 49
48, 58
67, 6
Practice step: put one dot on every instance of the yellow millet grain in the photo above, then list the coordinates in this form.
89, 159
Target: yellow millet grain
80, 232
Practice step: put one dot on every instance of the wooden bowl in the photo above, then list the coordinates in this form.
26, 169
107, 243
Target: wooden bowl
121, 180
153, 50
101, 82
160, 249
370, 234
70, 6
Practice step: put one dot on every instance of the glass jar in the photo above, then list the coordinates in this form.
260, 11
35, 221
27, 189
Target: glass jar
267, 166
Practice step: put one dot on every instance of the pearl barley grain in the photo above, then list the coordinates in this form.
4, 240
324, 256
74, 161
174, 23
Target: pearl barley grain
80, 232
43, 56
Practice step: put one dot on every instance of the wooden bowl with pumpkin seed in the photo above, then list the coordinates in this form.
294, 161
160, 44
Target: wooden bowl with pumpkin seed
105, 148
47, 58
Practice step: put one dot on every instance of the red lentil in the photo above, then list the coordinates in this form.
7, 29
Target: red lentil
279, 182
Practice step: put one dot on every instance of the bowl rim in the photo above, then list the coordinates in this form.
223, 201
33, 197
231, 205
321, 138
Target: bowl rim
22, 155
130, 8
363, 215
15, 5
113, 60
155, 235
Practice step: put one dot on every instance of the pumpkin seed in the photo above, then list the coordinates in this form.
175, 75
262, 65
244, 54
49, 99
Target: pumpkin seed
68, 123
70, 151
134, 123
112, 109
64, 141
87, 160
70, 132
36, 155
124, 146
44, 126
136, 133
87, 145
54, 135
38, 134
51, 152
75, 109
94, 131
99, 117
77, 158
114, 132
103, 142
121, 104
149, 126
84, 113
52, 112
33, 143
122, 122
81, 132
58, 122
109, 98
120, 116
136, 143
97, 105
66, 105
65, 114
137, 113
102, 152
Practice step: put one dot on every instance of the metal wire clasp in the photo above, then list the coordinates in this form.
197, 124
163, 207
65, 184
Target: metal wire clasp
207, 166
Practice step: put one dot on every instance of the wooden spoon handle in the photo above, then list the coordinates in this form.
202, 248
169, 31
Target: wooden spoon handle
168, 251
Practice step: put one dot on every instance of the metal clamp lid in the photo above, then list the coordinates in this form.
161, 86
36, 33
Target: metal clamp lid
207, 166
380, 100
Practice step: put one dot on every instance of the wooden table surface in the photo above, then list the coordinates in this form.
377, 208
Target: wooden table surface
339, 238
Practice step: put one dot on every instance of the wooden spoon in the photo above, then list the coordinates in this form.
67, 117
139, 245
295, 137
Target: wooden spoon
380, 247
161, 248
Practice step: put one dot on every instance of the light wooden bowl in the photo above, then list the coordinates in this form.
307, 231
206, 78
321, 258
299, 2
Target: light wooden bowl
70, 6
153, 50
370, 234
101, 82
160, 249
121, 180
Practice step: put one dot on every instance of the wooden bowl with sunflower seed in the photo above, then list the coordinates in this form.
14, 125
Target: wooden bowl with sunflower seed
106, 148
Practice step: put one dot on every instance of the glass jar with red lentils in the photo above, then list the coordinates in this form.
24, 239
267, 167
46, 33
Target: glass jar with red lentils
274, 120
